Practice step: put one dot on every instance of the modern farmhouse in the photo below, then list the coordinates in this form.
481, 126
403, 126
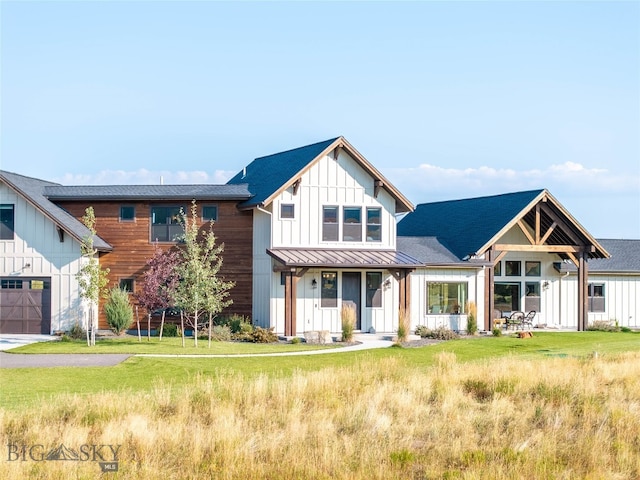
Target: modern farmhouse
310, 229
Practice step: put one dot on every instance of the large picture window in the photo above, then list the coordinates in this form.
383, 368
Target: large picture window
374, 289
352, 224
374, 224
330, 224
165, 224
446, 297
6, 222
329, 290
596, 297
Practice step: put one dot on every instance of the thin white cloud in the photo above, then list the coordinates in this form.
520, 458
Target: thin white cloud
430, 182
143, 176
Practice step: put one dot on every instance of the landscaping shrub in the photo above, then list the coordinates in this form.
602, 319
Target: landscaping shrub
245, 334
170, 330
219, 333
348, 317
118, 310
295, 340
497, 332
77, 332
264, 335
604, 326
441, 333
422, 331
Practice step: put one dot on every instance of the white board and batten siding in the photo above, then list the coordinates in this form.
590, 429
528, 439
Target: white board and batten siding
332, 182
37, 243
420, 314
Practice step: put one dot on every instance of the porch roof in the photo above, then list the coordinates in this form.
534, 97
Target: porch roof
333, 258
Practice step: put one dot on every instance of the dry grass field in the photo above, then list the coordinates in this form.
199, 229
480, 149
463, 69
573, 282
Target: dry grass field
555, 418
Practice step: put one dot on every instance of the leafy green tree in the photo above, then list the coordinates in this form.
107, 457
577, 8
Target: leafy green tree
200, 290
92, 278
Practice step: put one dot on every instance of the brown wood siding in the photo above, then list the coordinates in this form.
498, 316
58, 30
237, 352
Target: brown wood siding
132, 246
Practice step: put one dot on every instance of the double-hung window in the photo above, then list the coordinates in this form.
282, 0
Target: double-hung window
330, 224
352, 224
165, 223
374, 225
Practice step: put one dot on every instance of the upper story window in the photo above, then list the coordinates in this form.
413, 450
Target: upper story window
209, 213
330, 224
352, 224
532, 269
374, 225
6, 221
126, 284
287, 210
165, 224
127, 213
512, 268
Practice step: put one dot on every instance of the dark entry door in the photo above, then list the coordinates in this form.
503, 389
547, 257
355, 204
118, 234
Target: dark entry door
351, 292
506, 297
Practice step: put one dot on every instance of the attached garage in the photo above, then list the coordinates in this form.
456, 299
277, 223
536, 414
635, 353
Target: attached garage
25, 305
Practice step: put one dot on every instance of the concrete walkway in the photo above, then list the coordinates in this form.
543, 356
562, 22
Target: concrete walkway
24, 360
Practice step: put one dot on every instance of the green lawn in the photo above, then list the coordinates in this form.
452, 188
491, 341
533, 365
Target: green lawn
25, 386
168, 346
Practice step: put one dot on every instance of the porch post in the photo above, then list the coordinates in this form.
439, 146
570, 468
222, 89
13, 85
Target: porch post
489, 289
583, 292
290, 281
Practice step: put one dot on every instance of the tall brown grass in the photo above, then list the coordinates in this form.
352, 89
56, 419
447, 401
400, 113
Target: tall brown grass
404, 325
348, 318
560, 418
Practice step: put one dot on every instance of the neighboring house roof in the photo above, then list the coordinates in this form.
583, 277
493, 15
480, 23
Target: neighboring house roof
148, 192
32, 190
269, 176
469, 227
625, 258
430, 252
301, 257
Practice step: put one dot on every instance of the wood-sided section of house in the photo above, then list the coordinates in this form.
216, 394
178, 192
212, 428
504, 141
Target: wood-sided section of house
135, 227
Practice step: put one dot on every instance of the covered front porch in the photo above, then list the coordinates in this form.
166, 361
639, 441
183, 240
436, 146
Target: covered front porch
316, 283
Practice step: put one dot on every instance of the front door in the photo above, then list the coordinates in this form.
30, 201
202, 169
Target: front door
351, 292
506, 297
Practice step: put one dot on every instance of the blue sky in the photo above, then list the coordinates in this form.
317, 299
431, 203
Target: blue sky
447, 99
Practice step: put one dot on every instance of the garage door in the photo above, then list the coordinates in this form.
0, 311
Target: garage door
25, 305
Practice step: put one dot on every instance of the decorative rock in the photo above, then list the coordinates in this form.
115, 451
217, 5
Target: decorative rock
318, 337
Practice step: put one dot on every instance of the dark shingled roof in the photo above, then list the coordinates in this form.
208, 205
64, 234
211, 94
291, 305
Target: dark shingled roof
148, 192
430, 252
265, 175
464, 226
625, 258
32, 189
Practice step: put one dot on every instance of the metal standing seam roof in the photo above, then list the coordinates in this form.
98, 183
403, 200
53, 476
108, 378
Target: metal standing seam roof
334, 258
237, 192
32, 189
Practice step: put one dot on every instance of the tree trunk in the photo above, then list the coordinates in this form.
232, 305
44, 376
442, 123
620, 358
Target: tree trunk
149, 327
162, 324
182, 326
89, 330
138, 323
210, 327
195, 329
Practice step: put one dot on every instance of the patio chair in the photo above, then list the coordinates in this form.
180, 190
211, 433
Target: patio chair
527, 321
515, 320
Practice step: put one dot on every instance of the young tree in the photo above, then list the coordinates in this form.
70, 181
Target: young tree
159, 282
92, 278
200, 290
